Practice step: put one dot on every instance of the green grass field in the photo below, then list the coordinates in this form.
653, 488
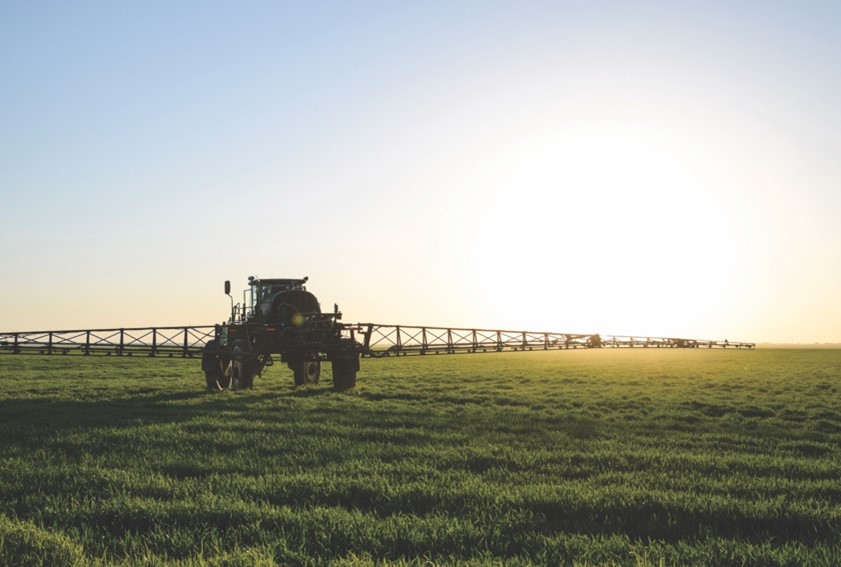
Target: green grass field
642, 457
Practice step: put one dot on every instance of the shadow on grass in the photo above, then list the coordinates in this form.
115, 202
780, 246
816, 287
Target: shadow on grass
45, 414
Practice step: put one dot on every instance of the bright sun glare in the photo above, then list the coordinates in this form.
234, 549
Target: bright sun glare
607, 230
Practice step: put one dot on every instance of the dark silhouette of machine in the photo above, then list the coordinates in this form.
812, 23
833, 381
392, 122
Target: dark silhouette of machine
279, 317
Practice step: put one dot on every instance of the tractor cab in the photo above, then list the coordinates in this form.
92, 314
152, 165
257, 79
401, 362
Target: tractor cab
266, 292
282, 301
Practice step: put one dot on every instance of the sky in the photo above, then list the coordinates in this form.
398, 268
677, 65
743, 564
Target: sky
631, 168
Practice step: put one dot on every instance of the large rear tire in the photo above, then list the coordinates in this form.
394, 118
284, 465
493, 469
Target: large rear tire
344, 373
306, 371
217, 367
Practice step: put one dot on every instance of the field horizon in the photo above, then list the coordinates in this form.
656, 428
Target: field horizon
783, 346
593, 457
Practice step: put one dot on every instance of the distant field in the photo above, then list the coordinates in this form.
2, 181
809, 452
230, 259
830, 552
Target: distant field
643, 457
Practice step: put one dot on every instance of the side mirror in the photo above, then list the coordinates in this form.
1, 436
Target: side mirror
227, 287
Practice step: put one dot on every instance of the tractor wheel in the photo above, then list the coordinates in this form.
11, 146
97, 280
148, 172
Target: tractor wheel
306, 372
216, 366
344, 373
243, 367
209, 362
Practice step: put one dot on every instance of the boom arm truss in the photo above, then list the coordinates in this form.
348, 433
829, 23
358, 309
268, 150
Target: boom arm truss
389, 340
374, 340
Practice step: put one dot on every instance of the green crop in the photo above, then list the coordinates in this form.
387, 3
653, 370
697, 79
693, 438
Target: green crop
609, 457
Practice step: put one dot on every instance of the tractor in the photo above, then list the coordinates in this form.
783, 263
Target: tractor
279, 317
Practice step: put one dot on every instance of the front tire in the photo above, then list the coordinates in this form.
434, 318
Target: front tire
306, 372
217, 366
243, 367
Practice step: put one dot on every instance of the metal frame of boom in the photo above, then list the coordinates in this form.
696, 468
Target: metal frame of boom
373, 340
394, 340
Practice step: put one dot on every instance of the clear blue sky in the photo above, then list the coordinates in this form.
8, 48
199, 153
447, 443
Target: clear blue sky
661, 168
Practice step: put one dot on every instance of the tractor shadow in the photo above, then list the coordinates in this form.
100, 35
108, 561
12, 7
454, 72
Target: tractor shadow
140, 406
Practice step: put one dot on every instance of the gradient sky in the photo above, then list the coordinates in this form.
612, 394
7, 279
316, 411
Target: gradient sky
651, 168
